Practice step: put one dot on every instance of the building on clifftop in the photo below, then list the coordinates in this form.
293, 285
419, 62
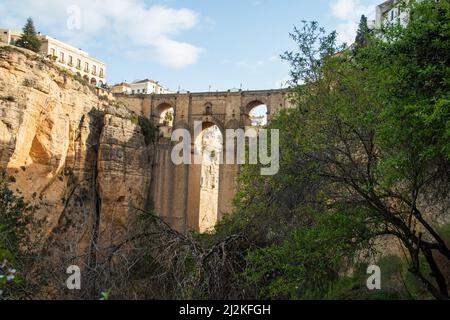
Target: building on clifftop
66, 56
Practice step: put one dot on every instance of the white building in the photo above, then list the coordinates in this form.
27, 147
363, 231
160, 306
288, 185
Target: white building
65, 56
147, 86
389, 13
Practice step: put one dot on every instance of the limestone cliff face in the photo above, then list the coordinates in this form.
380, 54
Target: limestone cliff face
123, 175
77, 158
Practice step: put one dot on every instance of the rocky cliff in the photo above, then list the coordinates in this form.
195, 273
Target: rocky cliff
78, 158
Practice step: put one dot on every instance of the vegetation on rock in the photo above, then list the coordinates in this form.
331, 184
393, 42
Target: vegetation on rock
29, 39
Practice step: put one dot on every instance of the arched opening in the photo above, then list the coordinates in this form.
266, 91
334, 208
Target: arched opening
93, 82
100, 84
86, 78
164, 117
256, 114
208, 109
209, 145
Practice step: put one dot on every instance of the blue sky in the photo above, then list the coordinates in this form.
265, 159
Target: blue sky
191, 44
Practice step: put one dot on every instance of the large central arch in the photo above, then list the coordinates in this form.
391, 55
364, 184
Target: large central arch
204, 179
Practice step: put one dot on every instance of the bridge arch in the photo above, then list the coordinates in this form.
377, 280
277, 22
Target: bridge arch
256, 113
204, 177
208, 109
164, 114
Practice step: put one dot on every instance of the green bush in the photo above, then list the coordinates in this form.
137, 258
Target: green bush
14, 236
148, 130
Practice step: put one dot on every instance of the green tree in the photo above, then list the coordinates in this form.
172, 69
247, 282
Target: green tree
29, 39
362, 34
368, 144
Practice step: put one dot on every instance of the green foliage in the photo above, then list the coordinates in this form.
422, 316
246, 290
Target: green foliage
396, 283
305, 264
80, 79
313, 46
414, 73
106, 294
14, 235
14, 220
168, 116
368, 138
148, 130
362, 34
29, 39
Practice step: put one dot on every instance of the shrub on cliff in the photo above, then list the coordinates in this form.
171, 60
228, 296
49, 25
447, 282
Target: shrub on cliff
14, 236
148, 130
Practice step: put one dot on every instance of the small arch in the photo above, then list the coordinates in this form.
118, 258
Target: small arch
100, 84
208, 109
164, 115
93, 82
86, 78
256, 114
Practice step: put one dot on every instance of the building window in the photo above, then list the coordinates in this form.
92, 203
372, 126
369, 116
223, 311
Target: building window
70, 60
53, 52
101, 72
86, 67
94, 70
132, 91
61, 57
78, 63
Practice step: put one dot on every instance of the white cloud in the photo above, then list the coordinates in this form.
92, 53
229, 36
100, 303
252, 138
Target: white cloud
176, 54
349, 12
128, 25
346, 32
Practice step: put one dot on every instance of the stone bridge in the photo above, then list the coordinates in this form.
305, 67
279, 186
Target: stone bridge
175, 189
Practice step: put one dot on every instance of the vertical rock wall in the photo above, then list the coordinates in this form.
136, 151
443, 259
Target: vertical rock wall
81, 161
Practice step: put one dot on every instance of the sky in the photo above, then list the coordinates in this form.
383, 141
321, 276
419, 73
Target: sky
189, 45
